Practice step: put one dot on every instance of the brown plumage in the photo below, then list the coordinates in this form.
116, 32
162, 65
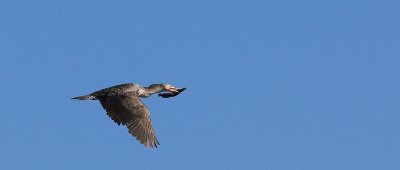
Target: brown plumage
123, 106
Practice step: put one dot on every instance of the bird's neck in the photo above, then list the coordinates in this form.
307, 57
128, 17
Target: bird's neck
148, 91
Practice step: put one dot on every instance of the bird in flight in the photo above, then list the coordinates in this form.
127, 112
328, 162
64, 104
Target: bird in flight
123, 105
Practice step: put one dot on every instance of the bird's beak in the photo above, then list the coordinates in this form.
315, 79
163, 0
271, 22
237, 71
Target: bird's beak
173, 89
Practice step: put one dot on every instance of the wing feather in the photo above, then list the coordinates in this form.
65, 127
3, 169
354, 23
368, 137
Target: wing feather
130, 111
114, 116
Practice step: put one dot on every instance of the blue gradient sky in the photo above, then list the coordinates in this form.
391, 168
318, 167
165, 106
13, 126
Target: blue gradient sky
278, 85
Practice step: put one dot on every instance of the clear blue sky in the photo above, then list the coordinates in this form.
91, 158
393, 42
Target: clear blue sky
277, 85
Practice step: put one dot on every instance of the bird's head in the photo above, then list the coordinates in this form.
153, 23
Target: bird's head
170, 88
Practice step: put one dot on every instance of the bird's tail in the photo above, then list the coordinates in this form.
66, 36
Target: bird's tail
86, 97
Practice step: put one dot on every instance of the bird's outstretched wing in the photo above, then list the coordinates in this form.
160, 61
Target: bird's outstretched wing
128, 110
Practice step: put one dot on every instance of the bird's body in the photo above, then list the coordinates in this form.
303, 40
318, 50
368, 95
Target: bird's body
123, 105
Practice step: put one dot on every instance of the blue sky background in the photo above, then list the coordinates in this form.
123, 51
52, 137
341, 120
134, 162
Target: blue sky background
286, 85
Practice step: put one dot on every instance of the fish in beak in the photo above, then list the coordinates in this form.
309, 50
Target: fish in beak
169, 94
172, 89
